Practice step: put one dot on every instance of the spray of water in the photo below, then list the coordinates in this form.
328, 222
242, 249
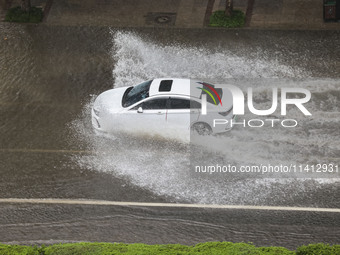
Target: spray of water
162, 165
138, 60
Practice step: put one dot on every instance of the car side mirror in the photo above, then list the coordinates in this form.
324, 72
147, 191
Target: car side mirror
140, 110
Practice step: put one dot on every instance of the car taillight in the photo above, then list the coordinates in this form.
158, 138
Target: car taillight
98, 123
96, 112
227, 112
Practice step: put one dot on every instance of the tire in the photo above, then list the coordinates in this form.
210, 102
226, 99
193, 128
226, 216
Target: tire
201, 128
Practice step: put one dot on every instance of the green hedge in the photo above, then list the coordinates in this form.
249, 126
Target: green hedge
318, 249
219, 19
215, 248
15, 14
18, 249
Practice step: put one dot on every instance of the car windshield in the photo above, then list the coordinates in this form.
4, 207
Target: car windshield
134, 94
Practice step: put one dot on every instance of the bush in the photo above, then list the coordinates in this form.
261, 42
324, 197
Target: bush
221, 248
15, 14
318, 249
18, 249
216, 248
219, 19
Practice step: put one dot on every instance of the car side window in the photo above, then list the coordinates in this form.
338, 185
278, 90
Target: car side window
195, 105
179, 103
153, 104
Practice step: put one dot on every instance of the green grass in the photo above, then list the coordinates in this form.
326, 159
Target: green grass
219, 19
15, 14
213, 248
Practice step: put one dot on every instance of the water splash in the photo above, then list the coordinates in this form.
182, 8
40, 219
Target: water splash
162, 165
139, 60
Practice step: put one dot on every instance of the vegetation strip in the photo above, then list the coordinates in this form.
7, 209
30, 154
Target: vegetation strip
220, 19
145, 204
201, 248
16, 14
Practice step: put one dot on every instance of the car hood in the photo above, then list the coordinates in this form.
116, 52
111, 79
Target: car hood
110, 101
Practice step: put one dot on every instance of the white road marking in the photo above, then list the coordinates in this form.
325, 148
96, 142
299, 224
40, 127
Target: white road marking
179, 205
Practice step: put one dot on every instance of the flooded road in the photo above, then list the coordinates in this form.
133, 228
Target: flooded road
50, 75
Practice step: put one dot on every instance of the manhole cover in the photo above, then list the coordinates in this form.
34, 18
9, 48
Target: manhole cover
163, 19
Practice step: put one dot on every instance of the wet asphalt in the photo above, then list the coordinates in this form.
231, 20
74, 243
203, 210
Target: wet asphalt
49, 74
47, 224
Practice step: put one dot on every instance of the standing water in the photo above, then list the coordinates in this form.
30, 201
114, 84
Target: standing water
163, 165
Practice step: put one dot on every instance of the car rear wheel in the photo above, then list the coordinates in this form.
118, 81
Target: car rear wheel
201, 128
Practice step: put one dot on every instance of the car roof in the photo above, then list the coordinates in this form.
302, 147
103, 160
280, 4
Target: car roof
179, 86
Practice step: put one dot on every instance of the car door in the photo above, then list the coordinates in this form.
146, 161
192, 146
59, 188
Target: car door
182, 112
149, 115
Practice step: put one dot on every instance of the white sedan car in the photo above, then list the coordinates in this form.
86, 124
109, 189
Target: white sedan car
163, 106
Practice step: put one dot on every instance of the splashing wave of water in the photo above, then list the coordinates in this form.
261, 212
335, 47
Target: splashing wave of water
139, 60
162, 165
